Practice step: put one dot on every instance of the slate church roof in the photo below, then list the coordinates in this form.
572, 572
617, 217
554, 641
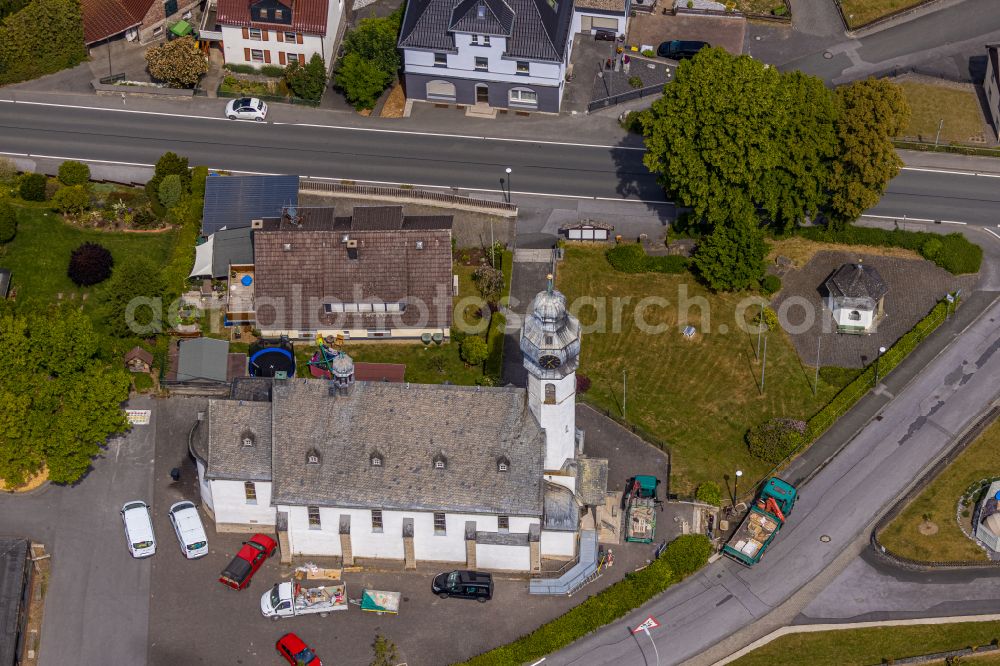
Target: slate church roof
857, 283
231, 424
534, 29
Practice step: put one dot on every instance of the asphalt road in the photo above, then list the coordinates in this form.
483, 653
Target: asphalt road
875, 467
435, 159
97, 601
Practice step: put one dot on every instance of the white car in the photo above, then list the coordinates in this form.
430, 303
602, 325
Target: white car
138, 529
190, 532
246, 108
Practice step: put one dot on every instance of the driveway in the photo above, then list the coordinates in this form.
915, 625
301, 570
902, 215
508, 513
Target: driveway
97, 599
651, 29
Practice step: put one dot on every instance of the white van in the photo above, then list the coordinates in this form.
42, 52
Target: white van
138, 529
190, 532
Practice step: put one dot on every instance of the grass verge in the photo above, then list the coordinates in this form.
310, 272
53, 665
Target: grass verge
862, 12
937, 504
930, 104
861, 647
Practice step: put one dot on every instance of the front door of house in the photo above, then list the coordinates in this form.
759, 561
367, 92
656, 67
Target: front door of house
482, 94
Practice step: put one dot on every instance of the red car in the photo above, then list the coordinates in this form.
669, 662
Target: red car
294, 649
238, 573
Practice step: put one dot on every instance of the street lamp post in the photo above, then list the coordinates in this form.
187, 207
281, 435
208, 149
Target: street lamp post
508, 170
881, 350
736, 485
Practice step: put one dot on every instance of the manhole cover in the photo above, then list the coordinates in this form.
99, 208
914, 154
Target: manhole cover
827, 55
825, 538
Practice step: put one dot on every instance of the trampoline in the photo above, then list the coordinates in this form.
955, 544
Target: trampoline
272, 360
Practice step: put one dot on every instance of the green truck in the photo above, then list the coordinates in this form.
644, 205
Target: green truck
640, 505
765, 518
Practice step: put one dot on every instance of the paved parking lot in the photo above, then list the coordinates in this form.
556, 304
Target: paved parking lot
724, 31
193, 619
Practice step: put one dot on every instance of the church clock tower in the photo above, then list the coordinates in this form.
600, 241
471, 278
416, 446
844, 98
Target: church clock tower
550, 344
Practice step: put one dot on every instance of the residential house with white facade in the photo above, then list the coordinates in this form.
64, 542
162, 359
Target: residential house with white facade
510, 54
275, 32
486, 477
591, 16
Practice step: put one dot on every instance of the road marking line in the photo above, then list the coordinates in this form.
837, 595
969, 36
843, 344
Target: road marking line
899, 218
333, 127
952, 222
959, 172
990, 231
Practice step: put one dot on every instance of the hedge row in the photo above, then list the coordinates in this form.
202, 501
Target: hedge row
683, 556
631, 258
43, 37
851, 393
495, 340
952, 252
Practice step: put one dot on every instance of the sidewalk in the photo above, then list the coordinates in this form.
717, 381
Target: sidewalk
931, 160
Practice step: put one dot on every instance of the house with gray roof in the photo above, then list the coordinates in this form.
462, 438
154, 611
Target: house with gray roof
509, 54
488, 477
856, 297
991, 85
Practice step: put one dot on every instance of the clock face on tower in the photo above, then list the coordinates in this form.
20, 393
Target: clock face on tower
549, 362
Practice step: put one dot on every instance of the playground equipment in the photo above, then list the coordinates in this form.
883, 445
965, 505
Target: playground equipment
272, 358
330, 360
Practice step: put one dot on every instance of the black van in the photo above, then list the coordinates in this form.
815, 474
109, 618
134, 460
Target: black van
464, 584
679, 50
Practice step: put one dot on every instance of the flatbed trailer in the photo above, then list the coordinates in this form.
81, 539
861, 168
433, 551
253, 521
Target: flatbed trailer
762, 522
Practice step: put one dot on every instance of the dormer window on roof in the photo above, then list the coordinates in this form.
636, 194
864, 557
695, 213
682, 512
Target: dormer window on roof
247, 439
481, 11
312, 457
440, 461
376, 459
503, 464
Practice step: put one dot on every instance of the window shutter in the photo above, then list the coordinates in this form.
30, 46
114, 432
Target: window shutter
267, 57
246, 35
246, 54
263, 35
280, 34
298, 38
281, 56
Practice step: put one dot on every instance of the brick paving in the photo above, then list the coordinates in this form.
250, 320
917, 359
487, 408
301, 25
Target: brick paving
914, 287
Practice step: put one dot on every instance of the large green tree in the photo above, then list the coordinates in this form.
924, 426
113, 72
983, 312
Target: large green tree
58, 401
731, 258
42, 37
133, 300
732, 134
869, 114
307, 81
371, 59
179, 63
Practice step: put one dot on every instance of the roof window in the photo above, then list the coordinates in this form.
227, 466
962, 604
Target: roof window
481, 11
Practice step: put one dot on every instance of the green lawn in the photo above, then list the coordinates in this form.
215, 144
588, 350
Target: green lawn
862, 647
929, 104
860, 12
938, 502
701, 395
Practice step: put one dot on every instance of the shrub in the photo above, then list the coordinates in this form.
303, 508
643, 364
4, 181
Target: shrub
958, 255
277, 71
649, 53
709, 493
769, 318
474, 350
8, 170
635, 81
495, 340
71, 200
90, 264
74, 173
776, 439
199, 175
633, 121
489, 281
179, 63
582, 383
780, 10
8, 222
240, 68
687, 553
631, 258
170, 191
771, 284
32, 187
307, 81
361, 81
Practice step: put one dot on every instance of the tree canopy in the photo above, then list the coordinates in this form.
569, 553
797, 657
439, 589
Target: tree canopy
371, 59
58, 402
731, 258
133, 300
179, 63
732, 135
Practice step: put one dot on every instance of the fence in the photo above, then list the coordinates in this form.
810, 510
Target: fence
893, 72
406, 193
967, 438
267, 98
625, 97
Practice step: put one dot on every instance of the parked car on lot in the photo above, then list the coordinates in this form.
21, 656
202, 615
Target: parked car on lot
464, 584
295, 650
250, 557
138, 529
246, 108
677, 49
189, 530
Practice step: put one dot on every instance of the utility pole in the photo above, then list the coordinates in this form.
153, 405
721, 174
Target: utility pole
760, 329
819, 340
624, 381
763, 367
881, 350
938, 136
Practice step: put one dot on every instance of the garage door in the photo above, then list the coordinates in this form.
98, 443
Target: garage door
440, 90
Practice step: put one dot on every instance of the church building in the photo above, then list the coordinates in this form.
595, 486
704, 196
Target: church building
484, 477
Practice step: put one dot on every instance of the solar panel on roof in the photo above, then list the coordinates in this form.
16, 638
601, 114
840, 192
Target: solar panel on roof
231, 202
